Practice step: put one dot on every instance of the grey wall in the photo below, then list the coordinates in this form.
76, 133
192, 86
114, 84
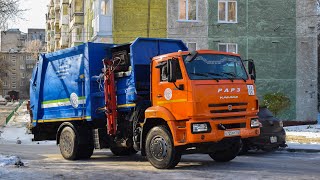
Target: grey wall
188, 31
307, 60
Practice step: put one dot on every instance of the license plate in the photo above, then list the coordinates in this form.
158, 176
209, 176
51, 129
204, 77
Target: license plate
273, 139
231, 133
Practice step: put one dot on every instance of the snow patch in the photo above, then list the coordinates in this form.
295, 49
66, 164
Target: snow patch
15, 132
10, 160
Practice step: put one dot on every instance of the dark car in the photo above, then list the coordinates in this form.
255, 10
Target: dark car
272, 135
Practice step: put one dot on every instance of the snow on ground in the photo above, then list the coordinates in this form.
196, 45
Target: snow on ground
309, 131
15, 132
10, 160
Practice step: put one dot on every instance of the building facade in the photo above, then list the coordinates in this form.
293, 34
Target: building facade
16, 62
108, 21
17, 77
12, 40
281, 36
188, 21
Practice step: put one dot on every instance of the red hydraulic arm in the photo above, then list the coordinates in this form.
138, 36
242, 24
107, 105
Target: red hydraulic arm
110, 97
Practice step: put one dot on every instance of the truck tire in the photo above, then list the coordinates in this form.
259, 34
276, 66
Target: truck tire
123, 151
68, 145
227, 154
160, 150
86, 151
244, 148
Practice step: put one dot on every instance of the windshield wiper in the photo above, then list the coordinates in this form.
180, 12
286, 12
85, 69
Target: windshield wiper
234, 76
199, 74
215, 74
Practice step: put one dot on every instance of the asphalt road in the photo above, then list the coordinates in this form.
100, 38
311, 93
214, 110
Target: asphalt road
45, 162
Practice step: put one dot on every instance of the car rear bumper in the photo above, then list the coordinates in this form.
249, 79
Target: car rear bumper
268, 139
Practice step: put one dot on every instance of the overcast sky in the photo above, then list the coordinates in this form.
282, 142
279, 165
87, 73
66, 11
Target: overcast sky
34, 17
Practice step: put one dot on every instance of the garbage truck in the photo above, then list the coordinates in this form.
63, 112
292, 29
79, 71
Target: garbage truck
151, 95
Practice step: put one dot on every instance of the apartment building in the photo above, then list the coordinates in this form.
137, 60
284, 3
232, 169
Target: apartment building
16, 78
12, 40
18, 63
281, 36
108, 21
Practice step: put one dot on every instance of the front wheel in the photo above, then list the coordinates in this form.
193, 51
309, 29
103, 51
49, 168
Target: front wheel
160, 150
227, 154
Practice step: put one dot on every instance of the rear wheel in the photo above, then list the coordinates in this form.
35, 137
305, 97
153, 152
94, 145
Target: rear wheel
69, 144
86, 151
123, 151
160, 150
227, 154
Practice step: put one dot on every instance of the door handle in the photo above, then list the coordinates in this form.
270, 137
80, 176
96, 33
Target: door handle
159, 95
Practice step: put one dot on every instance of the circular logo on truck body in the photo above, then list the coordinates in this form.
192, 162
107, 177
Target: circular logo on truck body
168, 94
74, 100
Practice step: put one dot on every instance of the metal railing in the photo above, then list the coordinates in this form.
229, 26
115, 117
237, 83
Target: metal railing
12, 113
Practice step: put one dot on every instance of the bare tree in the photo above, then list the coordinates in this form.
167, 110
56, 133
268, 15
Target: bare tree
9, 10
34, 47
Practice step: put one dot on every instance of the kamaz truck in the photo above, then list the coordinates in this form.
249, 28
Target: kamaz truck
151, 95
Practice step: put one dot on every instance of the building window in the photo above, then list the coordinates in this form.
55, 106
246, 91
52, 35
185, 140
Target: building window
105, 7
21, 83
22, 75
228, 47
192, 46
78, 34
188, 10
5, 83
22, 66
227, 11
13, 86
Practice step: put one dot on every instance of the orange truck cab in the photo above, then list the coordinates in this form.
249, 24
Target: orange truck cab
205, 101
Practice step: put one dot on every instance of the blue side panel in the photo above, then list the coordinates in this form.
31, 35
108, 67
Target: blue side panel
66, 84
94, 55
142, 50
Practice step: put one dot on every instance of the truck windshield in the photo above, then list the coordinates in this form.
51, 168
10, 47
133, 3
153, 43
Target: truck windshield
215, 66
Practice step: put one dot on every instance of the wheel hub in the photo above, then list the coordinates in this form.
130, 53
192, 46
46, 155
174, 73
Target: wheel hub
66, 143
158, 147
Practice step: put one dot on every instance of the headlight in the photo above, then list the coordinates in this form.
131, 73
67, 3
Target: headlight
200, 128
281, 124
255, 123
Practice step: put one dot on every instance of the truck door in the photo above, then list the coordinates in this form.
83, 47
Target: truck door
166, 94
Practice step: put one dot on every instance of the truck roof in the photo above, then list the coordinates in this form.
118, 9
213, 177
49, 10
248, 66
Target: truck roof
203, 51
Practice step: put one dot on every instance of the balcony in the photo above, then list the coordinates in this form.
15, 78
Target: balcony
57, 36
64, 41
76, 19
64, 20
57, 17
56, 4
102, 26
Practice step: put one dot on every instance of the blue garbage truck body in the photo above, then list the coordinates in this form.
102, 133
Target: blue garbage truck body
67, 94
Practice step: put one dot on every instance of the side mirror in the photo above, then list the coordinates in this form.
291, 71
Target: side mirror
252, 69
172, 66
